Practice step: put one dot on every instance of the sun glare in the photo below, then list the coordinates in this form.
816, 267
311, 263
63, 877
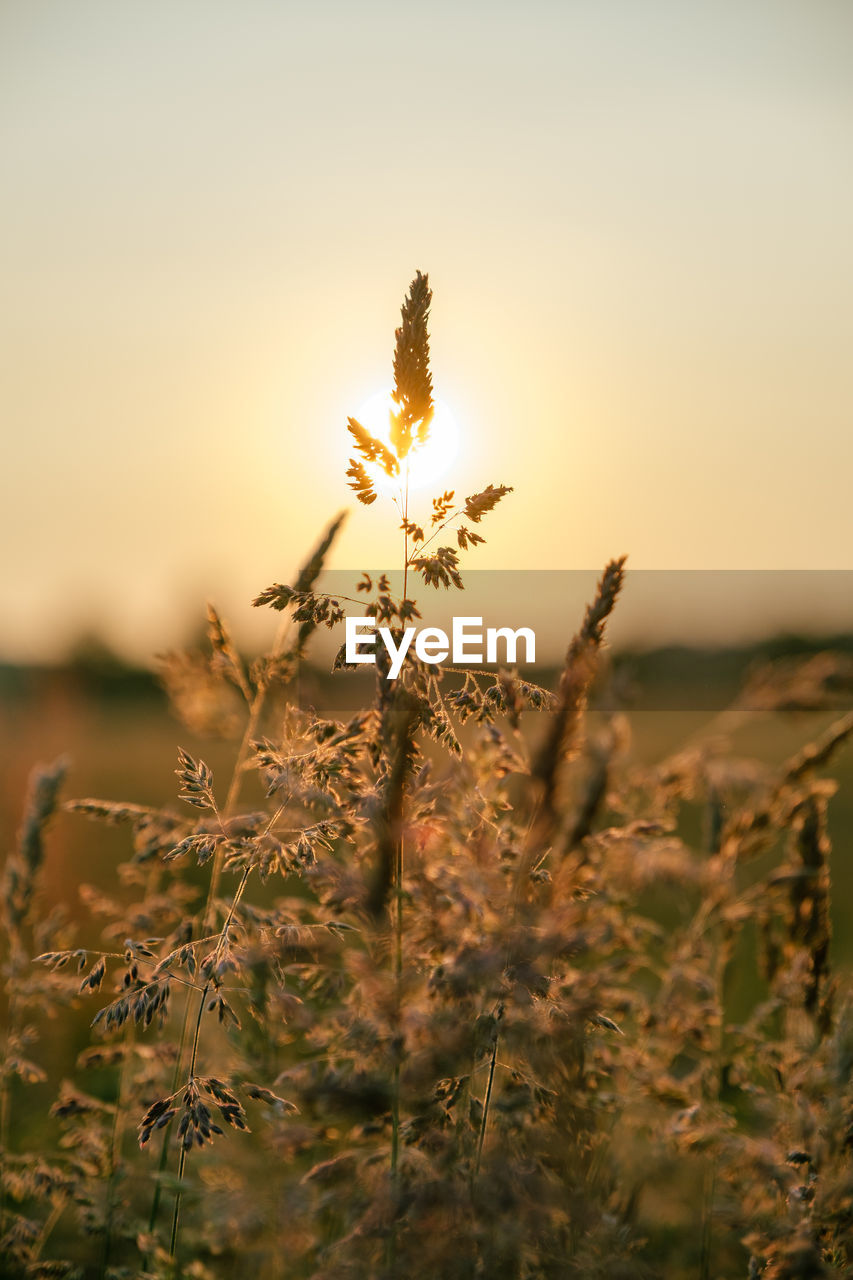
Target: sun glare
427, 462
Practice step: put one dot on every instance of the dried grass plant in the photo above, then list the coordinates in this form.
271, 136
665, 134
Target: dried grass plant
396, 999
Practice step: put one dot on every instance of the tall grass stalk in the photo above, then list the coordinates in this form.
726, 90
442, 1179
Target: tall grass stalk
471, 875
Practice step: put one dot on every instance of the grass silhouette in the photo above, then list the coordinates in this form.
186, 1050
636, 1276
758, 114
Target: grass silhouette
443, 987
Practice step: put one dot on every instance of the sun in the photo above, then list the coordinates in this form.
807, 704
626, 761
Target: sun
427, 462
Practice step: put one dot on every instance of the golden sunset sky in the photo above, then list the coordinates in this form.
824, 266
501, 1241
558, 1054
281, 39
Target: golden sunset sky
636, 218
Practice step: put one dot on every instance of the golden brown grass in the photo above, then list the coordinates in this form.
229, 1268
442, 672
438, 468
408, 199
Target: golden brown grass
424, 991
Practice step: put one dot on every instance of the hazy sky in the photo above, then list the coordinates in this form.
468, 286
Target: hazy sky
637, 222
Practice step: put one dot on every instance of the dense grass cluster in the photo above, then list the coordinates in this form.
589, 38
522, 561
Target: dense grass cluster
439, 987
